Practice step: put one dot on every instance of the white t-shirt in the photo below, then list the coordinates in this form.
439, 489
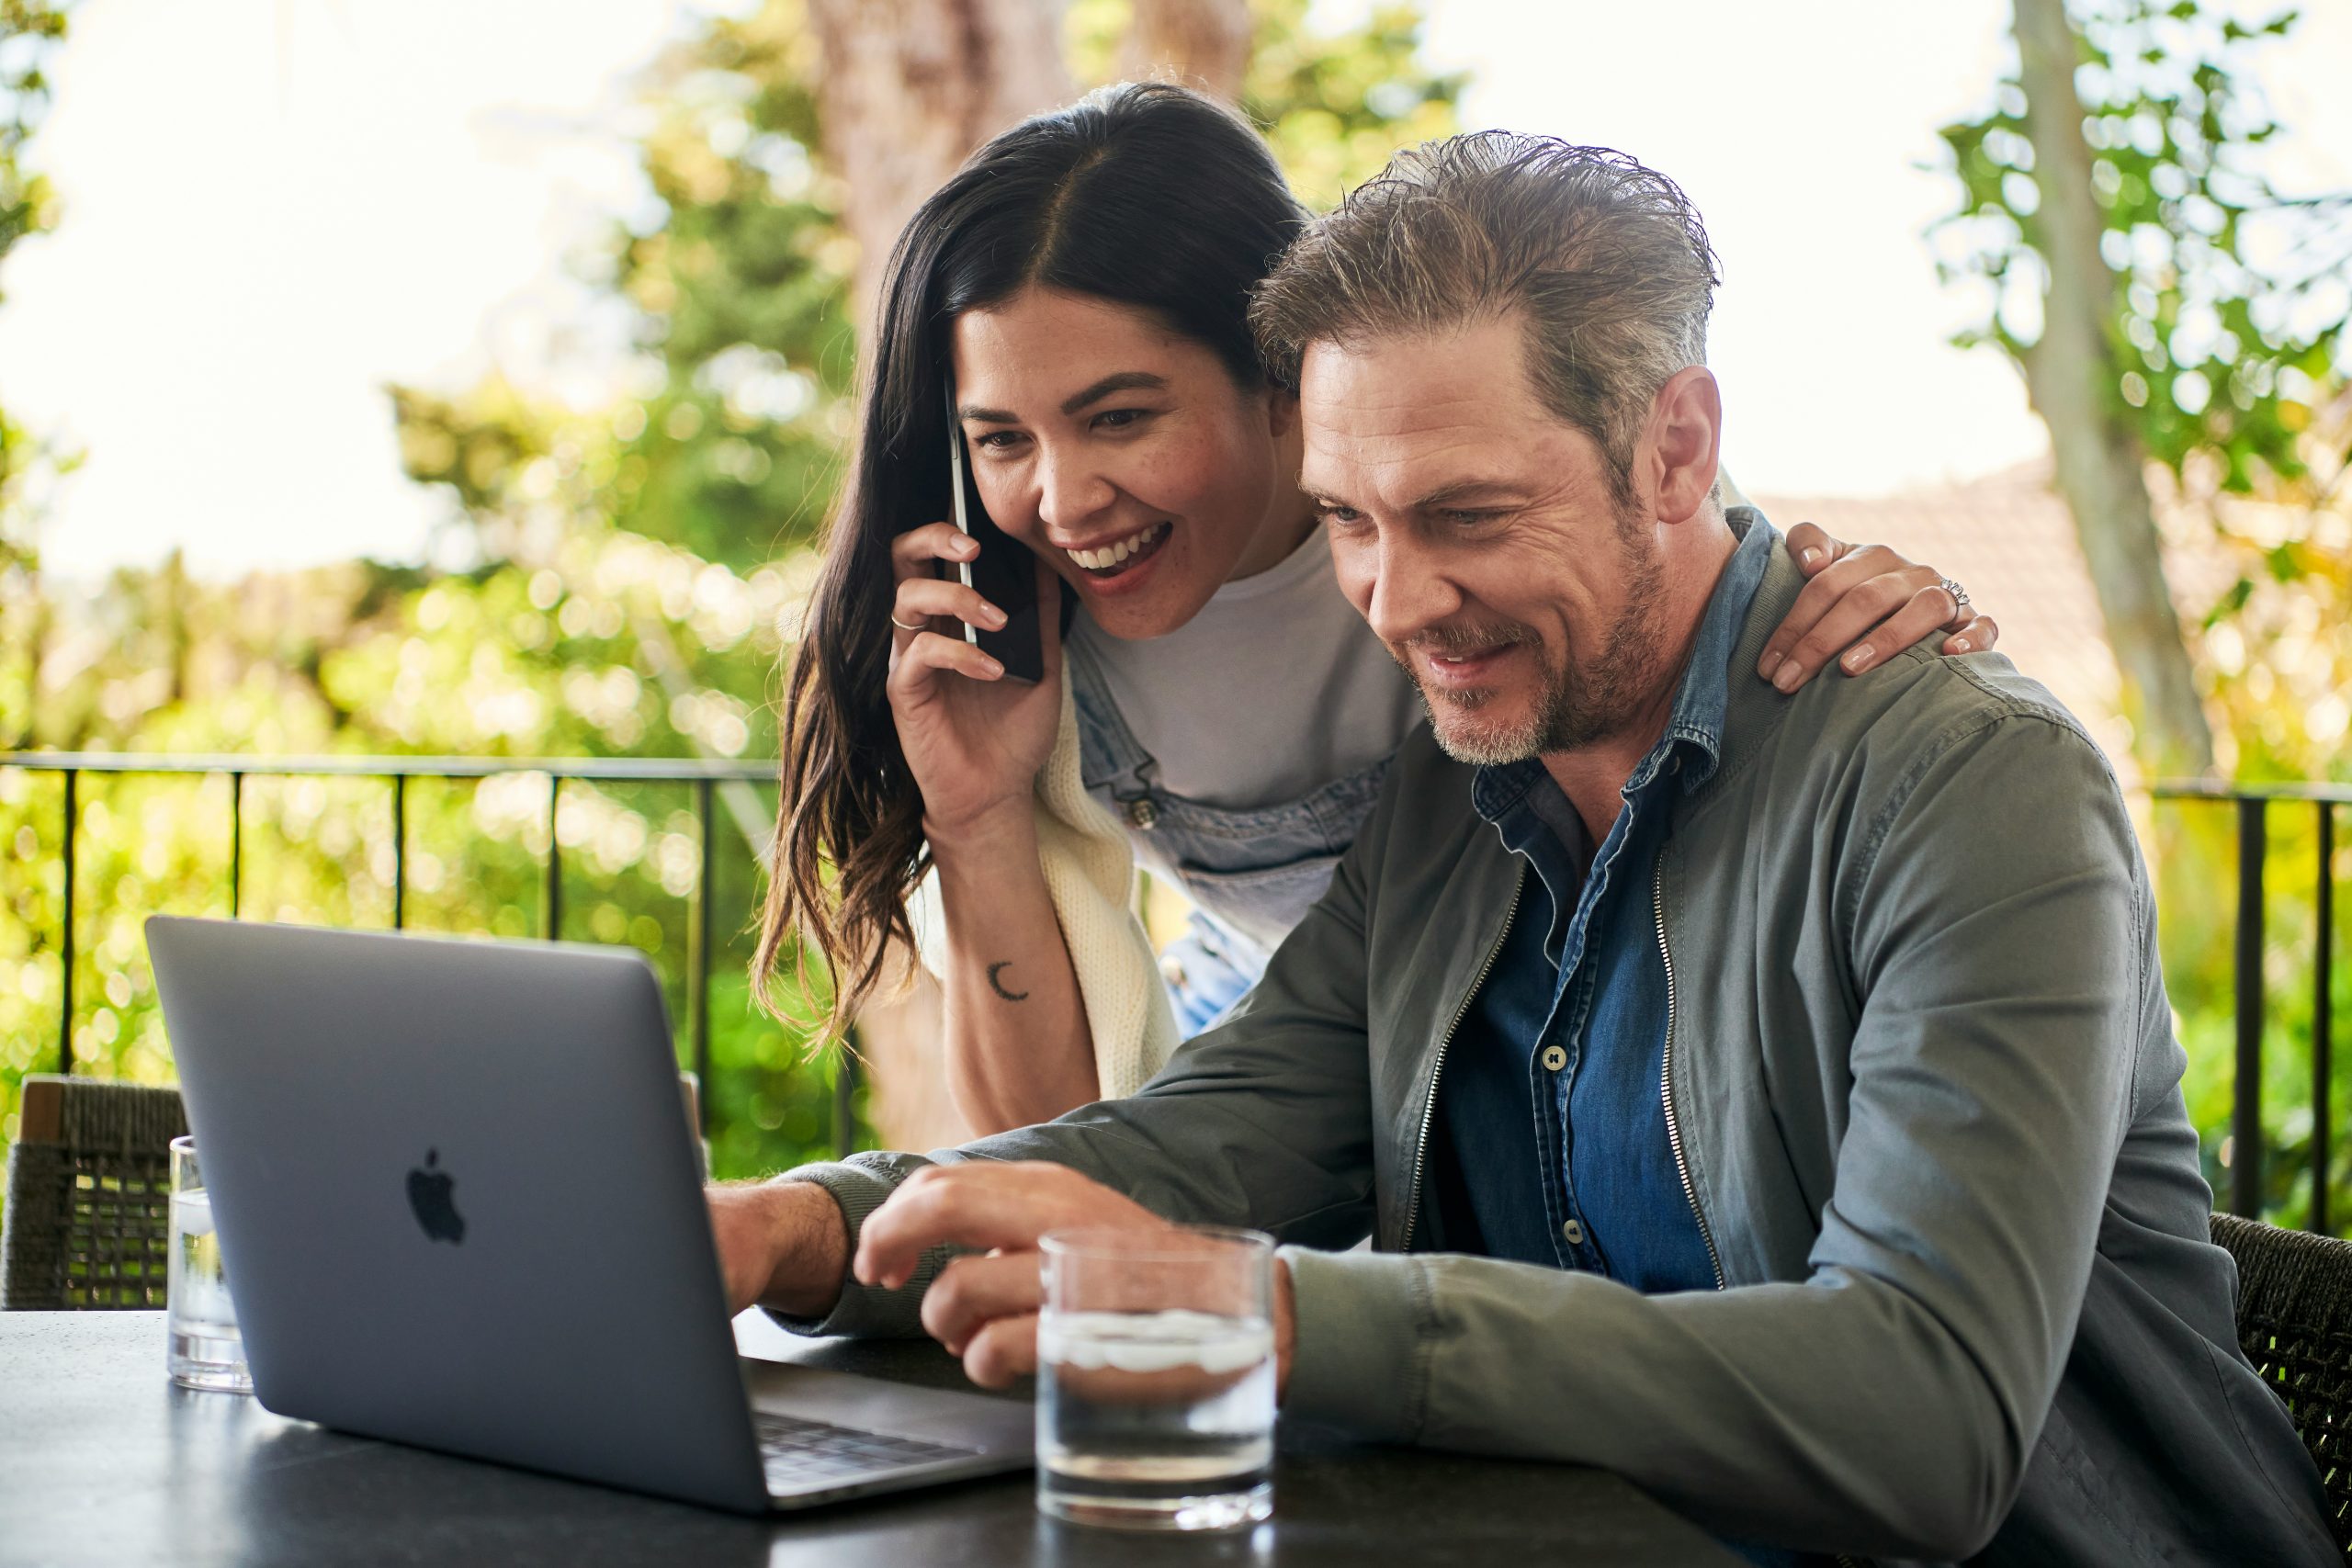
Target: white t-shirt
1275, 689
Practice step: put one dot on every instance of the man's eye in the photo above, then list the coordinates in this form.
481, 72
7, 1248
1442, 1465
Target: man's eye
1345, 516
1470, 519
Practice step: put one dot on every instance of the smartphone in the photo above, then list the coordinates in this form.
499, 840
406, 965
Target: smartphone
1005, 571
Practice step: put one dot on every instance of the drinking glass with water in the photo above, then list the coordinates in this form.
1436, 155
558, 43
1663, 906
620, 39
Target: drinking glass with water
1156, 1379
205, 1348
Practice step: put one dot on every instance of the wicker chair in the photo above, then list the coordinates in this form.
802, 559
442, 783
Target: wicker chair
2295, 1323
88, 1223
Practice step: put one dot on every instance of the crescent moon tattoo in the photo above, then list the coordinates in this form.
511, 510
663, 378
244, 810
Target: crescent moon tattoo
998, 986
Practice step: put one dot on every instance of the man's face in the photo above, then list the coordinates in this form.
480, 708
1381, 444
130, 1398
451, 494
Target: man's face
1483, 539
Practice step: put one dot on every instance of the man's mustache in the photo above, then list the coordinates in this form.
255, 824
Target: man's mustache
1469, 636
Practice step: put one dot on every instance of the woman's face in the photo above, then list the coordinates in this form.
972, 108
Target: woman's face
1124, 455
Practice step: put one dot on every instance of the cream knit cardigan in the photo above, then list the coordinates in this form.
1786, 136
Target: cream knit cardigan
1089, 875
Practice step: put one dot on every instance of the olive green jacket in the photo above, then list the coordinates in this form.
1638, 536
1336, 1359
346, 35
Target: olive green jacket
1923, 1075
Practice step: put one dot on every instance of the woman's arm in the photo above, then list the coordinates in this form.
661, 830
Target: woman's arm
1018, 1048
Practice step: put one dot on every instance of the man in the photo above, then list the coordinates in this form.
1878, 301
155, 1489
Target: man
1833, 1185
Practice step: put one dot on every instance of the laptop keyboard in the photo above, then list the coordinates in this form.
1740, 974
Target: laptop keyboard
795, 1451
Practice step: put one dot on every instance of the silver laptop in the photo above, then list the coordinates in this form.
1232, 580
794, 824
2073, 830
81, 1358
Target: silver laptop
459, 1207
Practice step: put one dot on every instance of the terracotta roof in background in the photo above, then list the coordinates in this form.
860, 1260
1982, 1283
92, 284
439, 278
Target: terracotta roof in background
2010, 542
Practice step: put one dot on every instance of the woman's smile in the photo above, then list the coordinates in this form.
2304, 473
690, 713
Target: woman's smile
1118, 565
1108, 558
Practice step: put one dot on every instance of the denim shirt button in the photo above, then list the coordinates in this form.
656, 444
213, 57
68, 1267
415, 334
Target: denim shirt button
1572, 1232
1555, 1058
1143, 813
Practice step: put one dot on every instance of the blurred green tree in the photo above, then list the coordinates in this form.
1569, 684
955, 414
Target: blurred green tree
2175, 316
30, 32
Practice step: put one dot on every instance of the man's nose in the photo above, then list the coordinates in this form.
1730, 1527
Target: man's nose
1410, 590
1071, 490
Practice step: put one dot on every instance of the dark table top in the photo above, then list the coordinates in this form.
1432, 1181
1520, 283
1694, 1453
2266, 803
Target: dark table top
103, 1462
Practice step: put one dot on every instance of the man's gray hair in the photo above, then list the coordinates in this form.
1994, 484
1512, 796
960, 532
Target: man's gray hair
1606, 259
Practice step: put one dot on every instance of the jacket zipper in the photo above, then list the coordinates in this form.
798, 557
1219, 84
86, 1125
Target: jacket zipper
1428, 1106
1666, 1085
1674, 1127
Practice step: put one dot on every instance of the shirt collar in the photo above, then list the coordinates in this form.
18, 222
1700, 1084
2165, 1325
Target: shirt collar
1694, 729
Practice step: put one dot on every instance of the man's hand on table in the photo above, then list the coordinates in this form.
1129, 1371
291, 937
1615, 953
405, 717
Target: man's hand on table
984, 1309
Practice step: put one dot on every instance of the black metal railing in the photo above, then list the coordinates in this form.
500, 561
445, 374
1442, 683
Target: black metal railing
396, 773
2253, 806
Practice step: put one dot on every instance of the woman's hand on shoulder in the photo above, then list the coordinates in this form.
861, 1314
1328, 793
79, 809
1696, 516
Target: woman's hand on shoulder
974, 738
1864, 605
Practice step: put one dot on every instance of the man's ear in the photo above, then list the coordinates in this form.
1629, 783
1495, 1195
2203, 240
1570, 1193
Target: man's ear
1682, 448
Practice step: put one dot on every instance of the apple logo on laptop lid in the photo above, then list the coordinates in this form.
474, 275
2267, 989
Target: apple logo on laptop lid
430, 1193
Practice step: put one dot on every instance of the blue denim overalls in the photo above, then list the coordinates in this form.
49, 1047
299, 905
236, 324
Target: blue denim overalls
1251, 875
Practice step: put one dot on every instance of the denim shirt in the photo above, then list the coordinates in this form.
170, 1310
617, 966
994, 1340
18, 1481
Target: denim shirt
1562, 1057
1573, 1015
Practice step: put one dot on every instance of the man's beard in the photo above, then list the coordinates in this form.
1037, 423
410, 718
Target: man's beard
1578, 705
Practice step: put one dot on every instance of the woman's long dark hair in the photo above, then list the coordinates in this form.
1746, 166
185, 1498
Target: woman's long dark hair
1145, 195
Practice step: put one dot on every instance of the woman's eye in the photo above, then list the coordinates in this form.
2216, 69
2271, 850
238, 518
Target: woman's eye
1119, 419
997, 440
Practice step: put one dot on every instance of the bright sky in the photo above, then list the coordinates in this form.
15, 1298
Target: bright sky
274, 208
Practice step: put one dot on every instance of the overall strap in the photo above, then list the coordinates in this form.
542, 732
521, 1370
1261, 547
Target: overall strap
1109, 756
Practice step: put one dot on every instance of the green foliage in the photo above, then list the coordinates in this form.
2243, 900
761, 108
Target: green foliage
2230, 307
1335, 106
31, 31
2228, 356
739, 279
736, 277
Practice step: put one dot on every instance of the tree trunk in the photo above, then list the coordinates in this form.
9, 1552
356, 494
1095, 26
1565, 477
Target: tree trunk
908, 87
1201, 43
2071, 374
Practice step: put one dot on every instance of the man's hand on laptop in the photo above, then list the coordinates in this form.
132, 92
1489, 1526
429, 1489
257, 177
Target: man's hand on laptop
781, 1244
984, 1309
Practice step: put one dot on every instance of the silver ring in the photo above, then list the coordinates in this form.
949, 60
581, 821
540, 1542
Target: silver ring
1959, 595
904, 627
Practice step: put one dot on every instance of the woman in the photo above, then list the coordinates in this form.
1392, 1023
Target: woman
1082, 282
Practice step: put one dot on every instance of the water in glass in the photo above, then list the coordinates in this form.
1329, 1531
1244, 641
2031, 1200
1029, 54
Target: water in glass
206, 1350
1156, 1417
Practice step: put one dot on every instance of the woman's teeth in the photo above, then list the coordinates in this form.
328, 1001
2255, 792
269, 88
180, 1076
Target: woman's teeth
1119, 550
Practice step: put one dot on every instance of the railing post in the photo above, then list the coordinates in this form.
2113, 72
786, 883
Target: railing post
400, 851
2245, 1116
2323, 1020
703, 936
236, 842
65, 925
555, 861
